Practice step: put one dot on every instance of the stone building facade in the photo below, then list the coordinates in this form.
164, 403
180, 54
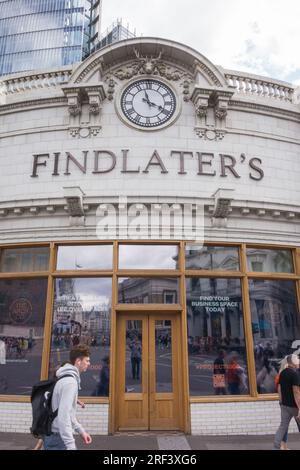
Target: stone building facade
145, 125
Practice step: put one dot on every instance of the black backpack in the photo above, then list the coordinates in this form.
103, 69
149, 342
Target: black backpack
42, 414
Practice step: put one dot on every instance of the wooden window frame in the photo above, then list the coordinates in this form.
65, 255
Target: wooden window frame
243, 274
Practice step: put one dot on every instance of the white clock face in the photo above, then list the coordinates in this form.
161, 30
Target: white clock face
148, 103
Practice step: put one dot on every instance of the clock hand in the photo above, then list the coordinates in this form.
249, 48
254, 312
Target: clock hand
152, 104
156, 105
149, 102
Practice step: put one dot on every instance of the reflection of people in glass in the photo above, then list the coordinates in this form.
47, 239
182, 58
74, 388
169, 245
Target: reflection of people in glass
266, 378
102, 389
219, 374
136, 356
236, 377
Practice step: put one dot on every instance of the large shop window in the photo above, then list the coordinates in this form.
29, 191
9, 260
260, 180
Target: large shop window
272, 261
24, 259
82, 314
148, 290
88, 257
216, 340
275, 327
22, 314
217, 258
148, 257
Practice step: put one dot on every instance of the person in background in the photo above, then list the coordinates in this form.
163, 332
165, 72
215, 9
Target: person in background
102, 388
236, 377
219, 374
289, 398
136, 357
266, 377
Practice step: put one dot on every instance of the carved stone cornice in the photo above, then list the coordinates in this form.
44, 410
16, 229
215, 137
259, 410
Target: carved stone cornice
264, 109
207, 72
41, 103
99, 61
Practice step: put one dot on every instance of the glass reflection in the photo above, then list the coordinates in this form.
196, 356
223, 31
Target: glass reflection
82, 314
163, 356
218, 258
24, 259
275, 326
216, 341
272, 261
85, 257
133, 357
48, 32
148, 257
148, 290
22, 314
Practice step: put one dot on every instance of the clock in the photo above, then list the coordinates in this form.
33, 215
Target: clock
148, 104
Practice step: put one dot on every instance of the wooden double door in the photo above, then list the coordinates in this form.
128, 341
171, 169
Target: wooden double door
148, 367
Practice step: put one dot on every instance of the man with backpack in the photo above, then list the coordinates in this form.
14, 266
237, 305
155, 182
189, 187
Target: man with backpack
64, 400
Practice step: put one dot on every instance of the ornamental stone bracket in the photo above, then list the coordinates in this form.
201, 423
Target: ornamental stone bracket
220, 100
84, 132
222, 207
212, 134
200, 99
84, 106
211, 108
74, 199
74, 97
96, 96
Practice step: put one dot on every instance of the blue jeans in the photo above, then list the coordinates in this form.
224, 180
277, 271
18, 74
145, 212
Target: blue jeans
53, 442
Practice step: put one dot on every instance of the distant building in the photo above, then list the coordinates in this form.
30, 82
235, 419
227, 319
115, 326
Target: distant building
46, 33
117, 32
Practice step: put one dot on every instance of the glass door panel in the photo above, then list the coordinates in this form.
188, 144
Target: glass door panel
163, 356
134, 356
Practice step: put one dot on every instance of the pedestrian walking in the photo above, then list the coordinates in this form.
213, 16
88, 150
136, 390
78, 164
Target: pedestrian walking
284, 365
289, 398
65, 396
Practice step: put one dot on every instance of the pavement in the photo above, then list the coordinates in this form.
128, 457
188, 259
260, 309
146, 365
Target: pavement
157, 441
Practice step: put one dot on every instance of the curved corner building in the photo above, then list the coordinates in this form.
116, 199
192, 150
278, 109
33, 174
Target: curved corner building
37, 34
150, 208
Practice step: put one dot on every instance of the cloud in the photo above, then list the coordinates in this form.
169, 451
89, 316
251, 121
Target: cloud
261, 37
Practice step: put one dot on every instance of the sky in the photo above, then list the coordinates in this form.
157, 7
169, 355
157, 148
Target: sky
256, 36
